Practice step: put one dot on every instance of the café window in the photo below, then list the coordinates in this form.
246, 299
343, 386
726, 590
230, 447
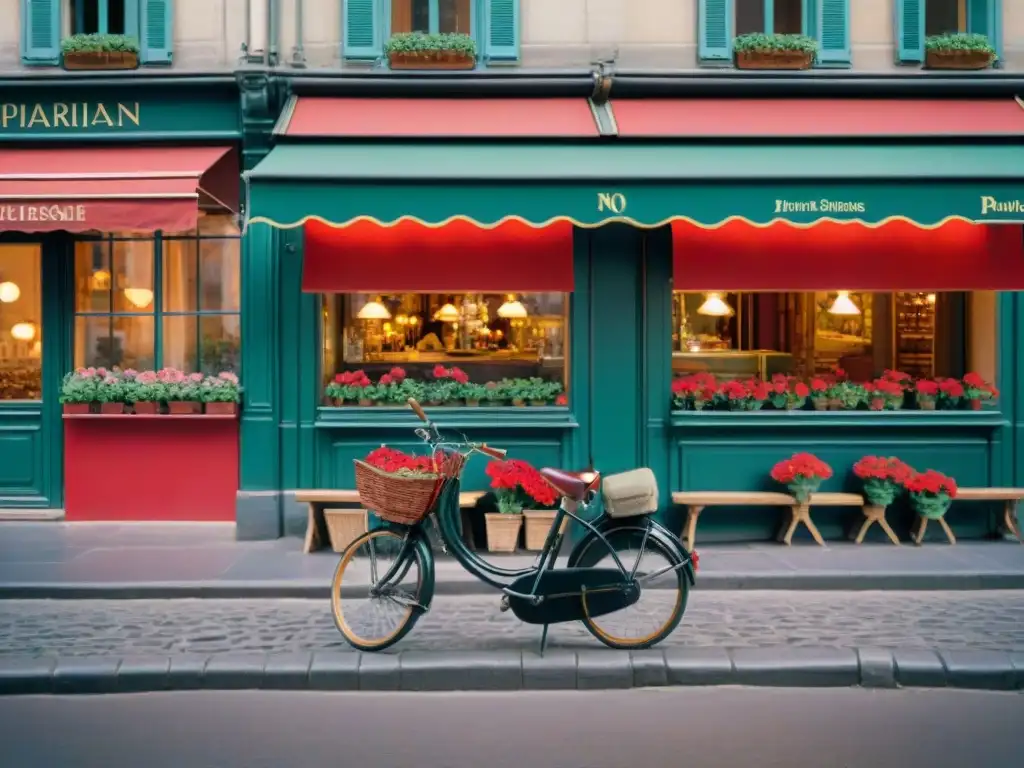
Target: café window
782, 17
20, 322
169, 300
492, 337
437, 16
943, 17
742, 335
105, 17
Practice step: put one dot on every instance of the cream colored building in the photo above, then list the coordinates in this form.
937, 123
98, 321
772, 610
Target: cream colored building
639, 34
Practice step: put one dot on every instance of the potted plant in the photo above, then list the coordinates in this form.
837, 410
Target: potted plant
951, 394
976, 390
802, 474
144, 391
496, 394
78, 390
882, 478
747, 395
787, 393
757, 50
543, 507
517, 391
884, 395
958, 50
110, 393
930, 493
848, 395
99, 51
419, 50
473, 394
819, 392
183, 391
503, 526
694, 392
540, 392
926, 392
221, 394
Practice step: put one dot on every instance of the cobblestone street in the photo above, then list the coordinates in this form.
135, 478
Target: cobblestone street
940, 620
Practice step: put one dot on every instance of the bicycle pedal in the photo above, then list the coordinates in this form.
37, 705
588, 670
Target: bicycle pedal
504, 605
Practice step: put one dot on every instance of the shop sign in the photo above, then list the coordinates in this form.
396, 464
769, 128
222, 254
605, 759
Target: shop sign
21, 214
614, 202
992, 204
69, 116
822, 206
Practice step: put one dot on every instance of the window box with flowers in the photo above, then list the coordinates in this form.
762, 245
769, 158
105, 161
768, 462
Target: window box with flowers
960, 50
99, 51
420, 50
774, 51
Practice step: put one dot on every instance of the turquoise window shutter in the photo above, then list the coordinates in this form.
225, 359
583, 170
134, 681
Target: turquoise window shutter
983, 18
40, 32
714, 30
501, 30
833, 31
362, 32
909, 30
156, 31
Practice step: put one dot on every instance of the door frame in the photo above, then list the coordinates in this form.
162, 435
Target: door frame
57, 283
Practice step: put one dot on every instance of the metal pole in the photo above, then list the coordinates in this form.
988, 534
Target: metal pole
299, 51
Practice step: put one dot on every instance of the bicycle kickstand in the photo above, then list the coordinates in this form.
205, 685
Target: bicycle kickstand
543, 639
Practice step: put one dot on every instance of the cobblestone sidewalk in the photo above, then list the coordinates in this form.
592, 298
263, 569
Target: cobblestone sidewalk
949, 621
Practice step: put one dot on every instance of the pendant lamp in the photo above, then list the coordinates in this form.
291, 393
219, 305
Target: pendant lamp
447, 314
512, 308
25, 331
715, 306
843, 305
9, 292
374, 310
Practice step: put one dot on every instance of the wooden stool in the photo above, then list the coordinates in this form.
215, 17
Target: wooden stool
798, 513
922, 525
875, 514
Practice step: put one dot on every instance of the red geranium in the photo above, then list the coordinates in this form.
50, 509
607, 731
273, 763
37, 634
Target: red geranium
881, 468
931, 483
516, 483
976, 388
392, 460
927, 387
386, 379
694, 391
819, 386
799, 467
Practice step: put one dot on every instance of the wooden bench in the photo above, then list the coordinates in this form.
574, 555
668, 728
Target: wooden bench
696, 501
1009, 496
319, 499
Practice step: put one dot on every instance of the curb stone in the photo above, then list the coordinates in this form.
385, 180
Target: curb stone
558, 669
222, 589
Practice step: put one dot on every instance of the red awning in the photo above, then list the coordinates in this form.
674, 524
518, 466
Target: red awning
438, 118
456, 258
113, 188
898, 256
836, 118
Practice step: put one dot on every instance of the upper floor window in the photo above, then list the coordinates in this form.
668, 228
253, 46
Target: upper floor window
104, 17
46, 22
827, 21
494, 24
917, 20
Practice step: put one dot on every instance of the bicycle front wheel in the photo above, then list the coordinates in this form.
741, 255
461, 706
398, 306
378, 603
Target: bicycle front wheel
664, 591
372, 614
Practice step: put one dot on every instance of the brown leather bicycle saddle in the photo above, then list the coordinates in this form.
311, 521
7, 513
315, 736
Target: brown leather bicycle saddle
572, 485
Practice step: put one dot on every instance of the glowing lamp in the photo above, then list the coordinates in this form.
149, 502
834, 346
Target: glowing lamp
9, 292
843, 305
24, 331
374, 310
715, 306
140, 297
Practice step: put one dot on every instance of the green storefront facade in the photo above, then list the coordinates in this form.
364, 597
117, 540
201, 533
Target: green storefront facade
624, 200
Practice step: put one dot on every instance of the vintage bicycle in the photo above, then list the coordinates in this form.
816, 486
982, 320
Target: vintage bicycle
384, 581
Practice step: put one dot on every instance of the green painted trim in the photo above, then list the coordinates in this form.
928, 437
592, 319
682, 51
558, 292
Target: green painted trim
457, 417
772, 420
125, 138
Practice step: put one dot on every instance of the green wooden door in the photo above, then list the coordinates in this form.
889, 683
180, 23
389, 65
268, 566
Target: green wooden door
33, 343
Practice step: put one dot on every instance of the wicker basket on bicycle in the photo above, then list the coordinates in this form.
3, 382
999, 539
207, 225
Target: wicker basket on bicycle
400, 498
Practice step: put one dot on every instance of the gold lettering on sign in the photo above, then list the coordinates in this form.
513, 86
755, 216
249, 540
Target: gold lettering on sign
58, 213
611, 201
990, 204
61, 115
824, 205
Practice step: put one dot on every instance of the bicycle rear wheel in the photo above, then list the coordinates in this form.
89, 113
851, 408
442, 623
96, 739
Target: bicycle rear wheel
663, 592
370, 614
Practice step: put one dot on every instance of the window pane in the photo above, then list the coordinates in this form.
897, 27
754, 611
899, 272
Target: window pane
410, 16
788, 17
126, 342
20, 322
179, 275
219, 275
210, 343
489, 336
749, 16
133, 275
92, 276
942, 16
453, 16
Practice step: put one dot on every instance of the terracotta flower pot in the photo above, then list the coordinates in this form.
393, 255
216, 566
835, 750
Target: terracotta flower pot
502, 531
538, 403
926, 403
473, 403
111, 408
538, 523
820, 403
222, 409
774, 60
975, 404
184, 407
363, 403
431, 60
77, 408
835, 404
877, 403
101, 60
344, 526
519, 403
953, 59
148, 408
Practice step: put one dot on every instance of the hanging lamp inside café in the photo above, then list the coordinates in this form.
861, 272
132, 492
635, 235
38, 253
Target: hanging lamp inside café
447, 313
512, 308
374, 310
715, 306
843, 305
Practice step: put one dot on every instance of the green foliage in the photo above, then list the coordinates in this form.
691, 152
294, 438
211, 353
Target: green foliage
97, 43
475, 392
80, 387
959, 41
221, 389
759, 42
420, 44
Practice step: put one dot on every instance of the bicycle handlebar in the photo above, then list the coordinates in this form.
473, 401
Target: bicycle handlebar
418, 410
494, 453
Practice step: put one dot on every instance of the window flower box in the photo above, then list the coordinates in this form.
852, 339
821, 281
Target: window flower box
761, 51
99, 51
959, 51
416, 50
